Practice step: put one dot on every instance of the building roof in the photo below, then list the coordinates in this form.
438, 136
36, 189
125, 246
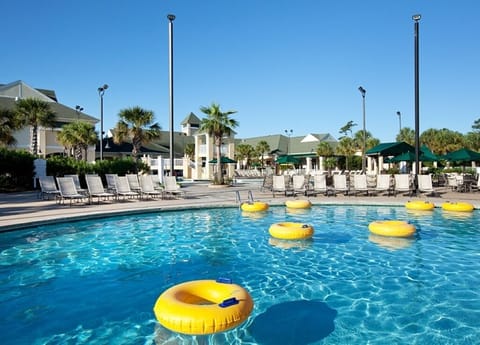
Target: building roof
390, 149
191, 119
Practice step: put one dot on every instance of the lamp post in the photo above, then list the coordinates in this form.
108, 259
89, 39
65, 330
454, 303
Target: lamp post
171, 18
101, 92
416, 19
78, 110
289, 134
399, 121
363, 92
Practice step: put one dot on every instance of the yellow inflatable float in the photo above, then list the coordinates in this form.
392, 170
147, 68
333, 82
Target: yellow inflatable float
421, 205
393, 228
291, 231
256, 206
298, 204
203, 306
457, 206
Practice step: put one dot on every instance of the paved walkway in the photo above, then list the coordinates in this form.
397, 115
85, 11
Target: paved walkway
19, 210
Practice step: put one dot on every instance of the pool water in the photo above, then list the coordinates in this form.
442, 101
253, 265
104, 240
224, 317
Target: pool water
96, 281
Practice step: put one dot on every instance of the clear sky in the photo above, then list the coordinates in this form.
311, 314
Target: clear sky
281, 64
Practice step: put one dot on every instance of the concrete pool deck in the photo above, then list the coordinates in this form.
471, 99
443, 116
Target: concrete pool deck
20, 210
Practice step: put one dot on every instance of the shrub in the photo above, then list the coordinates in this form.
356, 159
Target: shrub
16, 170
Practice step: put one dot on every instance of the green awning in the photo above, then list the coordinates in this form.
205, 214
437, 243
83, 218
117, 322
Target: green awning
462, 155
390, 149
287, 160
223, 160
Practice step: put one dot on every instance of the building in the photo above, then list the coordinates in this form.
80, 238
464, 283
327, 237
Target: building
47, 137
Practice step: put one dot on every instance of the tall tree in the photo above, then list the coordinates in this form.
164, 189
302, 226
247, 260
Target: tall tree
472, 138
78, 136
324, 149
406, 135
217, 124
262, 148
189, 151
9, 123
35, 113
346, 147
137, 125
244, 151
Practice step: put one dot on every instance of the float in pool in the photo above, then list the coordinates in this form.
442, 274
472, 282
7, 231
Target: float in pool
392, 228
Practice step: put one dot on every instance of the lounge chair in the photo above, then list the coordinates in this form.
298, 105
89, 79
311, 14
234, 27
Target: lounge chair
147, 188
403, 184
360, 184
134, 183
111, 182
76, 180
170, 187
48, 187
425, 184
123, 188
340, 184
383, 184
96, 189
68, 191
319, 185
279, 185
299, 184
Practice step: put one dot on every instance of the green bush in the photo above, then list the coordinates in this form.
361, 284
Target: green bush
16, 170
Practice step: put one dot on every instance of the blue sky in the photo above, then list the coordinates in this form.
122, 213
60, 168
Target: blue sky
281, 64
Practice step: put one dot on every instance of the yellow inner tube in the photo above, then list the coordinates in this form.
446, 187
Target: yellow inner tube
393, 228
203, 307
291, 231
420, 205
298, 203
254, 206
457, 206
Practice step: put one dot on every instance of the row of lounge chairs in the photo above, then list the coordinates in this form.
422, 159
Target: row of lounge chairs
352, 185
69, 188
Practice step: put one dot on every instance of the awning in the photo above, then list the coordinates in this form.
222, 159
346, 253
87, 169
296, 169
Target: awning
390, 149
223, 160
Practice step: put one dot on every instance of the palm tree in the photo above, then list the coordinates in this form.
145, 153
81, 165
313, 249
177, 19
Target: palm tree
35, 113
324, 149
136, 124
346, 147
406, 135
78, 135
217, 124
9, 123
244, 151
262, 148
189, 151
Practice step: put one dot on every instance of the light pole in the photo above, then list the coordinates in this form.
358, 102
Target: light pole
101, 92
78, 110
363, 92
171, 18
416, 19
399, 114
289, 134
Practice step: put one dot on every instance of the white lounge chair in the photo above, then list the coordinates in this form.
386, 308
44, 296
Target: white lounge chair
111, 182
123, 188
319, 185
76, 180
403, 184
48, 187
279, 185
147, 188
383, 184
96, 189
425, 184
340, 184
133, 182
299, 184
170, 187
68, 191
360, 184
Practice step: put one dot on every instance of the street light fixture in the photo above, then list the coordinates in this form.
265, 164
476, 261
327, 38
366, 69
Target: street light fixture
289, 134
78, 110
363, 92
101, 92
399, 121
416, 19
171, 18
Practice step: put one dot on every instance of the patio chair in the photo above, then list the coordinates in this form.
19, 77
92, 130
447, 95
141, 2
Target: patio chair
171, 188
402, 184
68, 191
133, 182
425, 184
96, 189
383, 184
319, 185
111, 182
279, 185
360, 184
48, 187
76, 180
156, 182
340, 184
123, 188
299, 183
147, 187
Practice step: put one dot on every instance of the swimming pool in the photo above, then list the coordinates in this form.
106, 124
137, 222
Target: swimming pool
96, 281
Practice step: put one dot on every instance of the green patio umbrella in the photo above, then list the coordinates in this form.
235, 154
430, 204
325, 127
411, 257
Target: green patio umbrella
425, 156
462, 155
287, 160
223, 160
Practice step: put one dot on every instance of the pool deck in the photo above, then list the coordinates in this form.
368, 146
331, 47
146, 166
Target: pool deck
20, 210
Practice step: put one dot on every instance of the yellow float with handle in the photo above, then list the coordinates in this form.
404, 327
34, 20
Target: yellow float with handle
203, 306
298, 204
420, 205
457, 206
392, 228
291, 231
256, 206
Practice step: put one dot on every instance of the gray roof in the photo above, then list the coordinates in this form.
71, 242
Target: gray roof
191, 119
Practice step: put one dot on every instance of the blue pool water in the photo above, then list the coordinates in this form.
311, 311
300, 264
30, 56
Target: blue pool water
96, 281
